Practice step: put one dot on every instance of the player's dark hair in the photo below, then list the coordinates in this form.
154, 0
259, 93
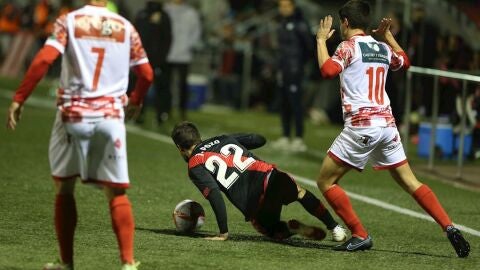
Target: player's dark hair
185, 134
357, 12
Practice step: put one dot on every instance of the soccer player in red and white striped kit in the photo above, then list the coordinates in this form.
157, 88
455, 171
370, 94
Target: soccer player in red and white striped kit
370, 133
88, 139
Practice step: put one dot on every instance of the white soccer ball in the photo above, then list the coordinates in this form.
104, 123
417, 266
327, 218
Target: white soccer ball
188, 216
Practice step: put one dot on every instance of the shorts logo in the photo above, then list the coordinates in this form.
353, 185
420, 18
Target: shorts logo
117, 143
364, 140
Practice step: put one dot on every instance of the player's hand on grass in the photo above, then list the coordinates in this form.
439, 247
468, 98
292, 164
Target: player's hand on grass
383, 30
219, 237
132, 111
324, 31
14, 114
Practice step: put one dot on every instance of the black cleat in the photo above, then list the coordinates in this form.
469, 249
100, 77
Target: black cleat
355, 244
461, 246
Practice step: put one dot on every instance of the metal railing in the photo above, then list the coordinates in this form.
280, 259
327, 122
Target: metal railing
465, 78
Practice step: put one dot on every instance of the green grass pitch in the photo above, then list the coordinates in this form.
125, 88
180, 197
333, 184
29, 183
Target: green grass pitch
159, 182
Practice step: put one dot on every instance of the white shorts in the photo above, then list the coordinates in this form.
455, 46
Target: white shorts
381, 145
94, 151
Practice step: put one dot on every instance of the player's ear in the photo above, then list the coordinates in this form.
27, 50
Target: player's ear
345, 21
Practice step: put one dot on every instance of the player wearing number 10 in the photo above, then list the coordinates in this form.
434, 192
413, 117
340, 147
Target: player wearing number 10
370, 132
258, 189
88, 137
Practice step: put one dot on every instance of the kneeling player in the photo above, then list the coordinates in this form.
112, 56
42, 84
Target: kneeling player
258, 189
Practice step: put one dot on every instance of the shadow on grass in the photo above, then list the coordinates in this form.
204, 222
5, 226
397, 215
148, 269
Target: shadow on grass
294, 241
412, 253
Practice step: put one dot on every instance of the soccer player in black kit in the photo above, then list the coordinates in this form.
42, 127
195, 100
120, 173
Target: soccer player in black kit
257, 188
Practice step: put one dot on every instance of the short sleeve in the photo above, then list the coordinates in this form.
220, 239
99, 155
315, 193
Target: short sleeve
344, 53
138, 55
59, 37
396, 61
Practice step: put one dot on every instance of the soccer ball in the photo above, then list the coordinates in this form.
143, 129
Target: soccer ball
188, 216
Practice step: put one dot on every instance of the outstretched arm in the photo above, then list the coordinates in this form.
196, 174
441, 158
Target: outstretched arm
250, 140
210, 190
144, 75
323, 34
218, 205
328, 68
37, 70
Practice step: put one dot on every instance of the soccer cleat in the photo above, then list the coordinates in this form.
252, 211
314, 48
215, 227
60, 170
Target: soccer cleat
133, 266
311, 232
57, 266
461, 246
355, 243
339, 234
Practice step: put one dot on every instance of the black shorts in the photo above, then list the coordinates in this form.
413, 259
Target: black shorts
281, 190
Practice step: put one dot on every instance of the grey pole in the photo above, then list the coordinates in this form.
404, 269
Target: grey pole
433, 130
462, 131
407, 113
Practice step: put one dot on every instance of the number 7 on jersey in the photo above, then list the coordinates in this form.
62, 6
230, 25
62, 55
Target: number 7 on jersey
98, 66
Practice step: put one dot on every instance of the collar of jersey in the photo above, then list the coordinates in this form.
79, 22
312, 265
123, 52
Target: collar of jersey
358, 35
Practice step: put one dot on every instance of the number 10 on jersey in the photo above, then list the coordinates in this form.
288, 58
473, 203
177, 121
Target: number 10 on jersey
376, 84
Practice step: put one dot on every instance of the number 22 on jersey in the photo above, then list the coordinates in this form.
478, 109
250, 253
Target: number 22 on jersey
215, 162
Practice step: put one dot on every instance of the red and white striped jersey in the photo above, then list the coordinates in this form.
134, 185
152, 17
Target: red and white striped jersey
98, 47
365, 63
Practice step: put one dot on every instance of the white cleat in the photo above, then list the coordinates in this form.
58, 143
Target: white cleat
133, 266
339, 234
57, 266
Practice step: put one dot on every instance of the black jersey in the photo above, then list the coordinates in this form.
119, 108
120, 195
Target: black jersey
225, 163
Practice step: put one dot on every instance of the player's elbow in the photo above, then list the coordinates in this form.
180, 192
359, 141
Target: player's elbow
406, 64
327, 73
330, 69
148, 74
260, 140
144, 72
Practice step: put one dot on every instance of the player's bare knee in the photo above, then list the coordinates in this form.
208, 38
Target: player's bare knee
65, 186
324, 183
112, 192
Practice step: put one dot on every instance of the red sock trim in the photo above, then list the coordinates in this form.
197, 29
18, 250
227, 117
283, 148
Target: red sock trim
123, 225
427, 199
65, 223
338, 199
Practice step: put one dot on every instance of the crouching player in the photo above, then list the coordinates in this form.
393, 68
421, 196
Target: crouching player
257, 188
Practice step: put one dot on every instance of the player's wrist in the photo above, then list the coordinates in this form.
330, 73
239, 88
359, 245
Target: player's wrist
321, 39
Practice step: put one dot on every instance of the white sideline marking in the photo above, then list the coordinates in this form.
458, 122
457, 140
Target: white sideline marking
44, 103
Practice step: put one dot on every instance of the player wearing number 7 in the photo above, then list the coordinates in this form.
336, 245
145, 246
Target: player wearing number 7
257, 188
88, 137
370, 132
